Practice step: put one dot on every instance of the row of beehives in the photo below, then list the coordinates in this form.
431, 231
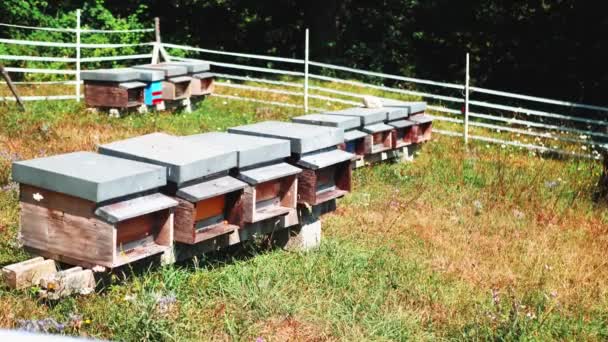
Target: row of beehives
136, 197
147, 85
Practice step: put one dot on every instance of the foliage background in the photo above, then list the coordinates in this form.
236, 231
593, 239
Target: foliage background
540, 47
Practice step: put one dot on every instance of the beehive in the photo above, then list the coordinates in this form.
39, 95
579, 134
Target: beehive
423, 129
197, 177
153, 92
113, 88
88, 209
272, 189
326, 173
177, 85
354, 140
202, 79
371, 122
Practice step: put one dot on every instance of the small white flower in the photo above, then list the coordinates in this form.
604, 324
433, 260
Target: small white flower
584, 148
503, 146
38, 197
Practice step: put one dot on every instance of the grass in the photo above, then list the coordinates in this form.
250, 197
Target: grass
487, 243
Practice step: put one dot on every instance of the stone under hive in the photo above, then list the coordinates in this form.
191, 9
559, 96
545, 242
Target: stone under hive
354, 140
272, 190
372, 122
326, 173
197, 178
113, 88
177, 85
202, 80
415, 129
91, 210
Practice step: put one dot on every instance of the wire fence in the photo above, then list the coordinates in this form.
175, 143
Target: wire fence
491, 116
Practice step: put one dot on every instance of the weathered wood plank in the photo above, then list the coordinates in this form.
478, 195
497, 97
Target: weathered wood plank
28, 273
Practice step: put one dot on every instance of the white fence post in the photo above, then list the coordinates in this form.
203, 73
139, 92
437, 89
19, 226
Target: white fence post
306, 59
156, 49
77, 55
466, 103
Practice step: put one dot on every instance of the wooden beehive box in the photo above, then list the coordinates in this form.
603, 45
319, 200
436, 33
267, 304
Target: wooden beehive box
154, 86
354, 140
177, 85
202, 80
88, 209
113, 88
272, 183
379, 138
403, 133
423, 129
198, 179
326, 170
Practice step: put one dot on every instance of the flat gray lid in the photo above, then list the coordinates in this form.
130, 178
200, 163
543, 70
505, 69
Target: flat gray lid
268, 173
204, 75
397, 113
185, 161
250, 150
324, 159
180, 79
421, 118
354, 135
131, 85
377, 128
367, 115
150, 75
135, 207
303, 138
192, 67
110, 75
401, 123
339, 121
90, 176
412, 106
210, 188
168, 70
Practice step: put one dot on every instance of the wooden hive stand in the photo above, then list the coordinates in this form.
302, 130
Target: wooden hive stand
91, 210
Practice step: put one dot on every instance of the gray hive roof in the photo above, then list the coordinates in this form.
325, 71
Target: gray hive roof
168, 70
339, 121
367, 115
185, 161
192, 67
110, 75
251, 150
303, 138
90, 176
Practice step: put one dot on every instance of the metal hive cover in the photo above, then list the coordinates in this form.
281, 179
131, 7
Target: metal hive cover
90, 176
251, 150
185, 161
303, 138
367, 115
192, 67
339, 121
168, 70
110, 75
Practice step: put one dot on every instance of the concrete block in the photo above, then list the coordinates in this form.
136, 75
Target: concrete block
367, 116
66, 283
168, 70
303, 138
184, 161
110, 75
338, 121
250, 150
28, 273
90, 176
